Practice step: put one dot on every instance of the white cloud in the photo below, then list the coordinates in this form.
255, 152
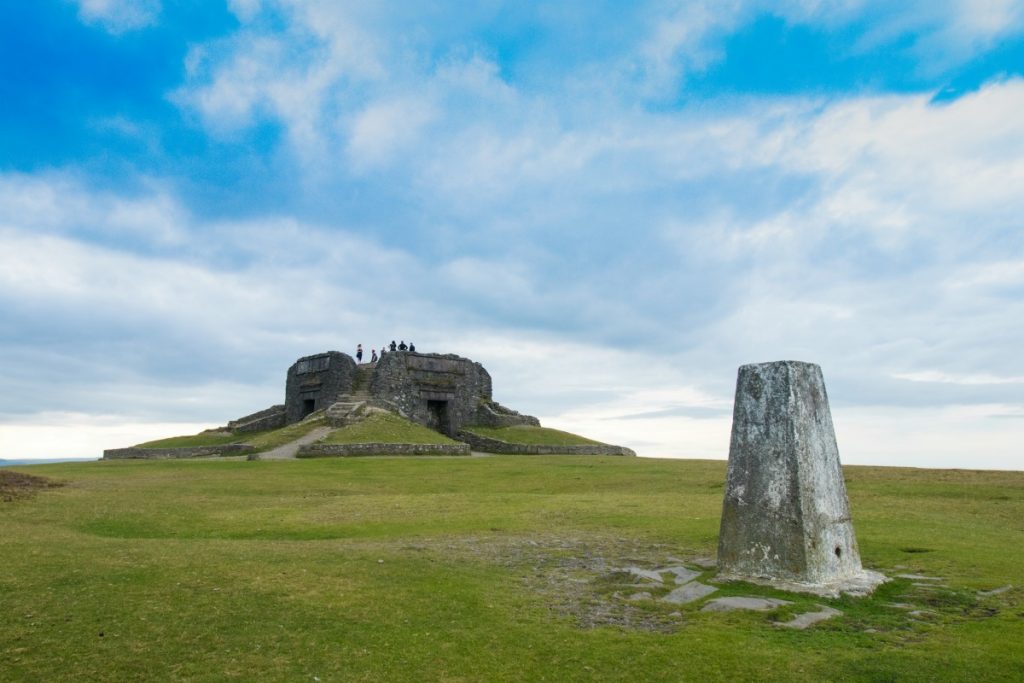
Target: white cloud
948, 378
245, 10
57, 202
119, 16
383, 129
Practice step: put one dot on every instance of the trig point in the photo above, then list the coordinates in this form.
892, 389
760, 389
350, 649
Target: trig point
786, 517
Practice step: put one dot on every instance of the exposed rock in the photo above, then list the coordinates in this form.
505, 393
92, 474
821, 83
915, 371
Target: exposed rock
995, 591
682, 574
641, 595
918, 577
704, 562
688, 593
802, 621
736, 602
649, 574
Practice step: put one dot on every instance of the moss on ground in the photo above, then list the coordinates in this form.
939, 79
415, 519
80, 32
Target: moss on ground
534, 436
381, 427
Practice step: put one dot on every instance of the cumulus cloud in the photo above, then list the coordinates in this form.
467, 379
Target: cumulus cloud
612, 263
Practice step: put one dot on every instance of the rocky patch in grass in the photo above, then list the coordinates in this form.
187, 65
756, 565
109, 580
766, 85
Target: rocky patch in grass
15, 485
654, 587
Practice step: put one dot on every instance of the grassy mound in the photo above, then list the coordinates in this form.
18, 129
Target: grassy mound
534, 436
386, 428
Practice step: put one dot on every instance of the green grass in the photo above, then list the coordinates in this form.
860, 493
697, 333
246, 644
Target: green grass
534, 436
386, 428
476, 569
201, 439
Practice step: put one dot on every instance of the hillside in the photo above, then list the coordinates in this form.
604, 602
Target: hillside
483, 569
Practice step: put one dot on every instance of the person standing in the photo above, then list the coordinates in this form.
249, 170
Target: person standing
412, 348
359, 353
402, 346
373, 355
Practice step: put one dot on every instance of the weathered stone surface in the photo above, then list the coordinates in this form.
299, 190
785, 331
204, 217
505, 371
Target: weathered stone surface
273, 417
439, 391
165, 453
681, 574
704, 562
802, 621
733, 603
640, 573
315, 382
688, 593
641, 595
493, 414
918, 577
785, 516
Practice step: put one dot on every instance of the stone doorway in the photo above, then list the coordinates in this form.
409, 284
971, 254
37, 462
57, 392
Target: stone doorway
308, 406
437, 417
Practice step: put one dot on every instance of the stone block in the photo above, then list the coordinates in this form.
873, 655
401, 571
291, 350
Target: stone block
786, 516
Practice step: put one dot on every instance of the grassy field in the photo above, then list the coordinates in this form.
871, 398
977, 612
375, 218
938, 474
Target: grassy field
528, 434
477, 569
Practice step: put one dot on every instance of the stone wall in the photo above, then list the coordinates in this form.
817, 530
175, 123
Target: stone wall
442, 392
188, 452
321, 450
489, 445
315, 382
493, 414
270, 418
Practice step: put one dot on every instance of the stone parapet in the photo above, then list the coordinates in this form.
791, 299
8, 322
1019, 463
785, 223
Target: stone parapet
489, 445
185, 452
351, 450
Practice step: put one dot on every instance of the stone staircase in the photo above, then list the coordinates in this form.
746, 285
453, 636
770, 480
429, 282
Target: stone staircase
343, 411
361, 382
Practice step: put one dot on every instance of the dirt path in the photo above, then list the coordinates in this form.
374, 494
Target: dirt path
289, 450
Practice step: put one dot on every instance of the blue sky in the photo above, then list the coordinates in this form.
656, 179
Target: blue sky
611, 205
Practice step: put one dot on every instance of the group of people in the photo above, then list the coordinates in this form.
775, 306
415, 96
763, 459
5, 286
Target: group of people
401, 346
